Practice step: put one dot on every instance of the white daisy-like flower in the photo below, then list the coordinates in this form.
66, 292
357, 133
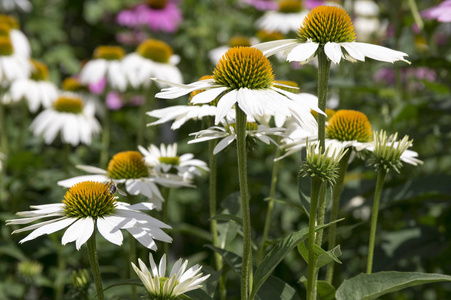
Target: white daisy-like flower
165, 160
12, 65
367, 21
244, 77
37, 90
106, 63
227, 134
344, 129
129, 168
153, 58
12, 5
70, 116
162, 286
87, 205
18, 38
288, 17
73, 84
329, 28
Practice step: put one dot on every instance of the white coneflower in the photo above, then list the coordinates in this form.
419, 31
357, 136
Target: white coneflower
36, 90
106, 63
287, 18
69, 116
18, 38
329, 27
12, 5
165, 160
162, 286
87, 205
128, 167
244, 77
153, 58
12, 65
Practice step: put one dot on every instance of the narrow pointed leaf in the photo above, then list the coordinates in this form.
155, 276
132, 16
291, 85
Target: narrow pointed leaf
372, 286
227, 217
277, 254
322, 257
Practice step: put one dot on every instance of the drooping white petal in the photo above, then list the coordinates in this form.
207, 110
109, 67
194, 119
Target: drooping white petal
271, 48
353, 50
381, 53
223, 143
333, 51
48, 228
108, 229
208, 95
225, 104
303, 52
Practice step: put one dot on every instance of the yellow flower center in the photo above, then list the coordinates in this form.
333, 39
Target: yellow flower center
69, 104
127, 165
155, 50
327, 24
291, 86
157, 4
238, 41
267, 36
10, 20
73, 84
175, 161
40, 72
89, 199
109, 52
6, 47
231, 127
349, 125
4, 29
194, 93
244, 67
290, 6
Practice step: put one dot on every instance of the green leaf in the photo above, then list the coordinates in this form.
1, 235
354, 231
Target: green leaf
232, 259
274, 288
277, 254
193, 230
372, 286
227, 217
198, 295
322, 257
324, 290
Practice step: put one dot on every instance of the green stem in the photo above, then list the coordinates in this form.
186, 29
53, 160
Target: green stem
311, 274
242, 176
4, 131
336, 193
321, 213
377, 196
165, 194
23, 126
323, 79
94, 262
272, 192
105, 138
59, 282
416, 15
132, 258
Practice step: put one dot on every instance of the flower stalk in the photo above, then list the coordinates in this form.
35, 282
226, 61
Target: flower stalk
94, 262
336, 194
272, 191
105, 134
377, 196
242, 176
311, 274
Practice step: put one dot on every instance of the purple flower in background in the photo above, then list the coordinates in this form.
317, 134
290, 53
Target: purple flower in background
157, 15
98, 87
411, 77
441, 12
310, 4
262, 4
113, 101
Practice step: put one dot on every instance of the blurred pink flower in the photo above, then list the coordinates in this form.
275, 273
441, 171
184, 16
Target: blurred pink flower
132, 37
411, 77
262, 4
166, 19
310, 4
113, 101
98, 87
441, 12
